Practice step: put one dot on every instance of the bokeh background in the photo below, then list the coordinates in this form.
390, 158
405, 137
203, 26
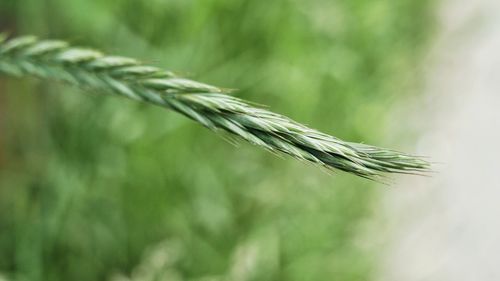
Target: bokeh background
102, 188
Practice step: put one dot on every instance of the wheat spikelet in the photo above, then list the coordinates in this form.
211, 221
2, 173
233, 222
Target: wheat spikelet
206, 104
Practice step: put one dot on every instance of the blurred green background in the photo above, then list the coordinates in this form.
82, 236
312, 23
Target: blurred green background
102, 188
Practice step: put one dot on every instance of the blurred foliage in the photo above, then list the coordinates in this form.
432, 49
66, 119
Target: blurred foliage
102, 188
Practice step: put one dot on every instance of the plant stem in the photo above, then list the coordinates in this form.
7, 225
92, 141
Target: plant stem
205, 104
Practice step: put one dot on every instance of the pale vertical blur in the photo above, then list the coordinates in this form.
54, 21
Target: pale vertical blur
447, 228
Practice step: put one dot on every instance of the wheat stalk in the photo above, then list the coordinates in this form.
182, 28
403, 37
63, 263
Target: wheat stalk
206, 104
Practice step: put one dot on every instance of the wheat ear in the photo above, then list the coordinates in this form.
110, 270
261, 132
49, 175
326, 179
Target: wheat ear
206, 104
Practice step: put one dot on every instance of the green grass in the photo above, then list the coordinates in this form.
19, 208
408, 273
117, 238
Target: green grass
211, 106
90, 184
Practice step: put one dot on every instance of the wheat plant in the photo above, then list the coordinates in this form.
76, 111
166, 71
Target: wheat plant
208, 105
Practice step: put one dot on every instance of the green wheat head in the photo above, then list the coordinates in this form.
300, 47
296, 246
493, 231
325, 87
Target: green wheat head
205, 104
